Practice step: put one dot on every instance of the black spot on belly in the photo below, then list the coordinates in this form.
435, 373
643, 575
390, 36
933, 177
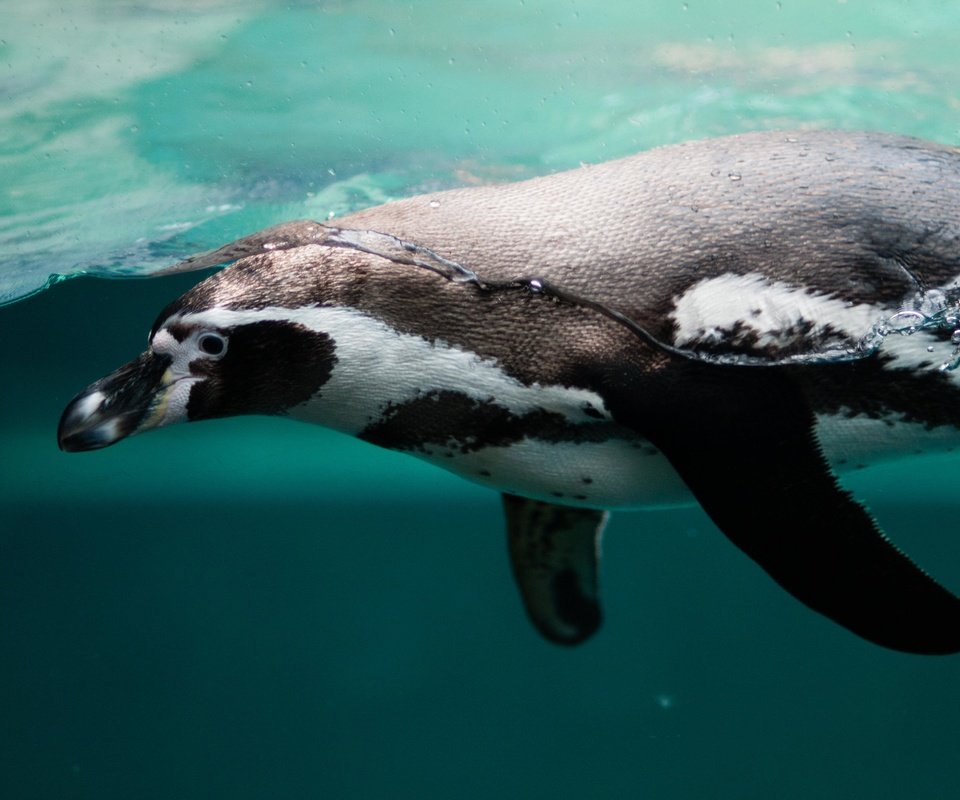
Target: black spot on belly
587, 481
452, 419
484, 473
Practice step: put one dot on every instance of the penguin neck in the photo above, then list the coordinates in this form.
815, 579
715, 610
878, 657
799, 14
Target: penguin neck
468, 413
379, 370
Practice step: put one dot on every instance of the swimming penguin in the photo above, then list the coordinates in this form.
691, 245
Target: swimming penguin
732, 321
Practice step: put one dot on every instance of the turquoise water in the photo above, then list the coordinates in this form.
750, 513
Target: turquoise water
253, 608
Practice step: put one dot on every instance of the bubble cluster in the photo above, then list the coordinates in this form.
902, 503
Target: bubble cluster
931, 310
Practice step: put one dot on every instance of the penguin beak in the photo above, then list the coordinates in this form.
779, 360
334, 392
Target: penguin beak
116, 406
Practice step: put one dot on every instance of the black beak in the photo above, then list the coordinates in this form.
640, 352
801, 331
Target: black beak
113, 407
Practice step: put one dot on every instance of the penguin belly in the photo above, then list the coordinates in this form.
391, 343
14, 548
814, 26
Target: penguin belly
623, 474
631, 474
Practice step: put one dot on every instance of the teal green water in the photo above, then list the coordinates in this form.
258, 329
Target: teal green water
258, 609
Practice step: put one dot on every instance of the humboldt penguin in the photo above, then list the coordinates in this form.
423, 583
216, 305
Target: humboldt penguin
733, 322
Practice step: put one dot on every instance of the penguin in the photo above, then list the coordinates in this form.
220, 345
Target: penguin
733, 322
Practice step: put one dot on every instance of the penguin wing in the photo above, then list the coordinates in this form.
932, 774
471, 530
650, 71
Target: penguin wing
744, 442
554, 552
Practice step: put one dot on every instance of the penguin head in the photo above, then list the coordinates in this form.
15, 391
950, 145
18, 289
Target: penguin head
206, 358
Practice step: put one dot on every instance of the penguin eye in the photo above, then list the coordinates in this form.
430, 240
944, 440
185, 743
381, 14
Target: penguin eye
212, 344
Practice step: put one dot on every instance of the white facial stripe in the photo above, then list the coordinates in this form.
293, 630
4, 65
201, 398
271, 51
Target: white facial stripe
768, 308
377, 366
173, 405
176, 382
164, 343
180, 354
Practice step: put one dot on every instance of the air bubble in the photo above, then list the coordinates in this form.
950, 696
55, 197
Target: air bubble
952, 364
933, 310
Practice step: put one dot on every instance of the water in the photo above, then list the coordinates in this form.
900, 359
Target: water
259, 609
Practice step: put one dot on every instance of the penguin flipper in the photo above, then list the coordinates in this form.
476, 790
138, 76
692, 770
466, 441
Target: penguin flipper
554, 552
284, 236
751, 458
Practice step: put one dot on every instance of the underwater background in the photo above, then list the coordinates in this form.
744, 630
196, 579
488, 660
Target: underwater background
255, 608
